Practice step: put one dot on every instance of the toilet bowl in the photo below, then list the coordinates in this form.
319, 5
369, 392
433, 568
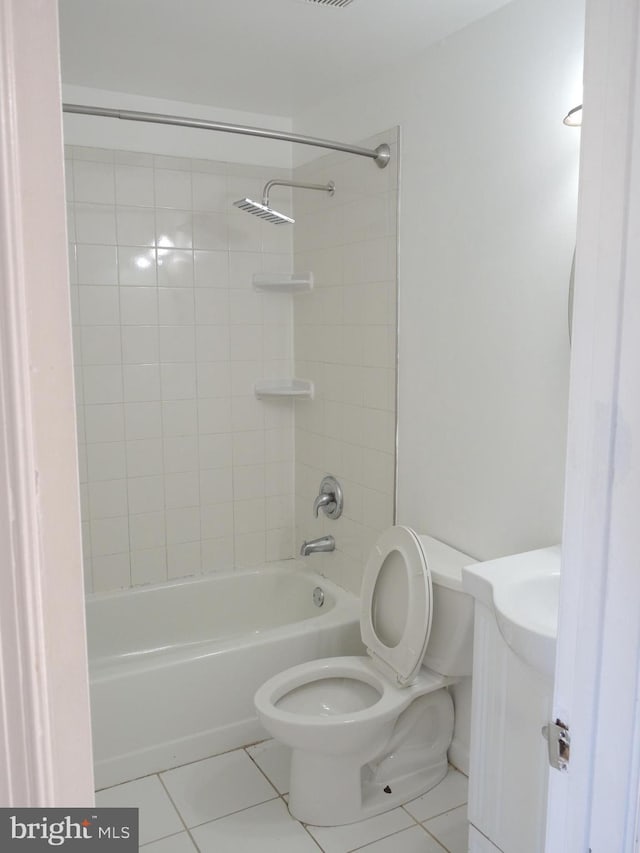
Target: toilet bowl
369, 733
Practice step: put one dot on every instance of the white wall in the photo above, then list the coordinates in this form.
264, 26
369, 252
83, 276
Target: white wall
487, 218
97, 132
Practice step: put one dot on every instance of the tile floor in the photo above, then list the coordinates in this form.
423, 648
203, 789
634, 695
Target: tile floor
236, 803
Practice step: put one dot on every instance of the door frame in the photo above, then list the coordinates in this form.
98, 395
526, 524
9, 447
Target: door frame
594, 804
45, 732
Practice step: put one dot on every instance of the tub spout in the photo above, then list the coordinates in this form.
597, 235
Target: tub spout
315, 546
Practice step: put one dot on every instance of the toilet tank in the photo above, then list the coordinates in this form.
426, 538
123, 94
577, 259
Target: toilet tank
450, 648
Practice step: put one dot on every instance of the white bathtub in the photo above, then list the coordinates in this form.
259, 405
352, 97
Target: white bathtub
174, 667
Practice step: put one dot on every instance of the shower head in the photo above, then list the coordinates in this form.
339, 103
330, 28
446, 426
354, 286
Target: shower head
264, 211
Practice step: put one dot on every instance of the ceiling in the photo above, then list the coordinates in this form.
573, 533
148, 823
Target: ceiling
265, 56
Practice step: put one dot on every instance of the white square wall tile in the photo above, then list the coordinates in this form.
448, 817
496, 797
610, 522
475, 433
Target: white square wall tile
140, 344
93, 182
211, 269
134, 186
178, 381
135, 226
100, 345
216, 786
99, 305
145, 494
95, 223
104, 422
179, 417
111, 571
143, 419
137, 266
149, 566
274, 759
340, 839
138, 306
106, 460
158, 817
173, 188
174, 229
447, 795
175, 268
266, 828
141, 382
183, 559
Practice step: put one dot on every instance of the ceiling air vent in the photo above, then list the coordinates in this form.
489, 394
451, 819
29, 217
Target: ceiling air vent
329, 2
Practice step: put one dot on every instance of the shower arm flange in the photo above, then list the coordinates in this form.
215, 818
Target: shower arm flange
327, 188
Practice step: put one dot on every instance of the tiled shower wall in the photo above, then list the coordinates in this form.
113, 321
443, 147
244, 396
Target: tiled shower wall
182, 469
345, 341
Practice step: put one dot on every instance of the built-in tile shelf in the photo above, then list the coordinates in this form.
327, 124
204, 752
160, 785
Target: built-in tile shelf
284, 388
283, 282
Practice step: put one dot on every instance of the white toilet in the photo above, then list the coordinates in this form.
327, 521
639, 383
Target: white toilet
369, 733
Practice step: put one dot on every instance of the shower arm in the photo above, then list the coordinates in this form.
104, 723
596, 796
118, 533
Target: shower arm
380, 155
327, 188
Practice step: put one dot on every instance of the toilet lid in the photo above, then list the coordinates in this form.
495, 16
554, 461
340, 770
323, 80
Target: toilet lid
395, 619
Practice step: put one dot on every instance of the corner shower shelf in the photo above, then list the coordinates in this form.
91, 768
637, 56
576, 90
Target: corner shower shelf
283, 282
284, 388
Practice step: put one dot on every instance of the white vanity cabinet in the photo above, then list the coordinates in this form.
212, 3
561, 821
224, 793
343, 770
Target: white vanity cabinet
515, 625
508, 769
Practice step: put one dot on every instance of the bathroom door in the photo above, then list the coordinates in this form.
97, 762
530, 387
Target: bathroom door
594, 804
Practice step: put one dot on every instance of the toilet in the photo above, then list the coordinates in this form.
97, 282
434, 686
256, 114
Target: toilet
369, 733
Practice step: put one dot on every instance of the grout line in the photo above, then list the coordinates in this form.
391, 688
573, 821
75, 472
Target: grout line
431, 836
435, 838
257, 766
179, 813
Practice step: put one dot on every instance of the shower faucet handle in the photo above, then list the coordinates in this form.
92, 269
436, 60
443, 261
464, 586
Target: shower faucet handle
330, 499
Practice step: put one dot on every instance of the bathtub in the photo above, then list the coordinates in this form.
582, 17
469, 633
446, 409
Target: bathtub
173, 667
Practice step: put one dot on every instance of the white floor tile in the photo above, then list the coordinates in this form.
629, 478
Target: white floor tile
274, 759
451, 830
449, 794
216, 786
413, 840
157, 816
174, 844
340, 839
268, 828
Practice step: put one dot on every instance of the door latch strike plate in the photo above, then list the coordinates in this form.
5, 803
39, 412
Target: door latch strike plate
559, 744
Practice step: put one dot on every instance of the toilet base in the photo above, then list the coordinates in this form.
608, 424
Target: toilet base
355, 799
409, 759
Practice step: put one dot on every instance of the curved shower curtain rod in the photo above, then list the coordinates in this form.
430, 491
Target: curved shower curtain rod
380, 155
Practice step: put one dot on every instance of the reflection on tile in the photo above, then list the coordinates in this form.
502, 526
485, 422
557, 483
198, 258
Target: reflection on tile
216, 786
267, 828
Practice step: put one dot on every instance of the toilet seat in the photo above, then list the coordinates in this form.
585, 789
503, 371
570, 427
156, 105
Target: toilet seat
397, 598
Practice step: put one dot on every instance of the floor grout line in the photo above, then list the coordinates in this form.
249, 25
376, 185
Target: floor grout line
191, 838
278, 795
